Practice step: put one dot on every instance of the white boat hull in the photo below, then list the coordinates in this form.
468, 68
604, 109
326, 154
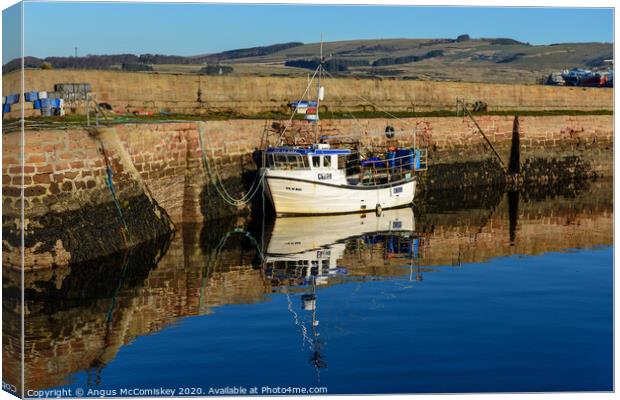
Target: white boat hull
296, 196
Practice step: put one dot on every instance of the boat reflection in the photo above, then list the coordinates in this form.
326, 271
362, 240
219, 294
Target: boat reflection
305, 252
301, 248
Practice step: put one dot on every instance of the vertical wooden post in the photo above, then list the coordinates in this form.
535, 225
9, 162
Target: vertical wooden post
87, 112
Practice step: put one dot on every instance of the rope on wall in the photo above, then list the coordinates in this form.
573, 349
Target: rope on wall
216, 179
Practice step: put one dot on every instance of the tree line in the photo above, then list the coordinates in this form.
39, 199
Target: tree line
340, 64
108, 61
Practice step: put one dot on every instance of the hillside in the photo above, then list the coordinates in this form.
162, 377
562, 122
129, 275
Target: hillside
477, 60
462, 59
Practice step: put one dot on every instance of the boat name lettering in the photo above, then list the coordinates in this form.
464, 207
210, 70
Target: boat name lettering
398, 189
325, 176
295, 189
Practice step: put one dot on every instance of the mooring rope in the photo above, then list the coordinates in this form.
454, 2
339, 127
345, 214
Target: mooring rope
219, 185
110, 184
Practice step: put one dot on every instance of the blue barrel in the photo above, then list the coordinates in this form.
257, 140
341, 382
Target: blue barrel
6, 108
36, 104
374, 239
418, 153
45, 103
399, 154
56, 102
391, 156
31, 96
12, 99
392, 244
406, 158
401, 158
373, 162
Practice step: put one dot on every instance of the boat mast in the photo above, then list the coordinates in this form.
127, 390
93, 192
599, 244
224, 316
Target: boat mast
318, 93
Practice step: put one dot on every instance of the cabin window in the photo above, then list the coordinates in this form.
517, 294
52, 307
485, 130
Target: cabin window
287, 161
293, 161
342, 162
305, 164
316, 161
299, 161
280, 161
327, 161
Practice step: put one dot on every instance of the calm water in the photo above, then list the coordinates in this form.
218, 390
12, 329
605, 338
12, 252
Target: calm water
501, 292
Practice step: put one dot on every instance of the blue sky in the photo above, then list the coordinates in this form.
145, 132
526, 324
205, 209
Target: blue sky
11, 27
54, 29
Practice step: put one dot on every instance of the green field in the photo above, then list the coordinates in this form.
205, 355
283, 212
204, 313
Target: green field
476, 60
464, 60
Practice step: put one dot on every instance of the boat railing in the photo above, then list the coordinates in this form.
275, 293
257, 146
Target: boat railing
417, 153
417, 160
377, 170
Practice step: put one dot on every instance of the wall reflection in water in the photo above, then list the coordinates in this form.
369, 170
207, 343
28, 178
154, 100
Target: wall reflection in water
78, 317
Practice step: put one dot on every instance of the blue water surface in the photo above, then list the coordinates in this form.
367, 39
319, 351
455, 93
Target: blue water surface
519, 323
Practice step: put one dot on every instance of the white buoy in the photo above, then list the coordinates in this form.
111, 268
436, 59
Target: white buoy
321, 93
42, 95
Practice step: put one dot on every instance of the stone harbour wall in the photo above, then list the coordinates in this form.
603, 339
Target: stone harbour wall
73, 212
197, 95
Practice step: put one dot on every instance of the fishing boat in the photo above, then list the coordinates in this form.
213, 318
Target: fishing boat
315, 177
